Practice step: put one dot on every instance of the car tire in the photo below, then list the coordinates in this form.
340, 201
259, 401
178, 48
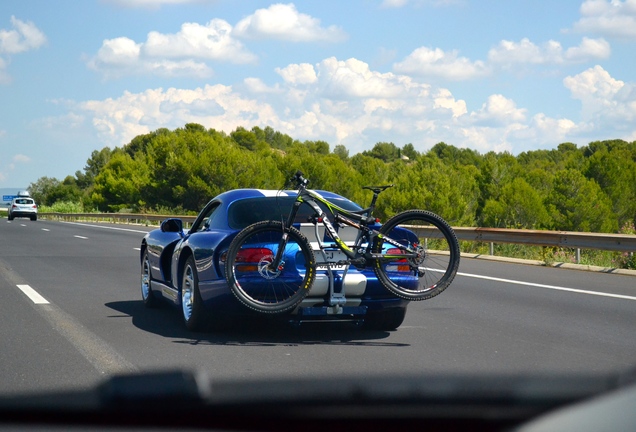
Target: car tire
385, 320
10, 217
191, 301
34, 217
148, 297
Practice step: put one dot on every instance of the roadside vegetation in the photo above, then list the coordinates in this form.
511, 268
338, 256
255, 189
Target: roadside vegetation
590, 188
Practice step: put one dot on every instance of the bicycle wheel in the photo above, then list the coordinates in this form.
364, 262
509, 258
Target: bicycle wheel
256, 285
437, 255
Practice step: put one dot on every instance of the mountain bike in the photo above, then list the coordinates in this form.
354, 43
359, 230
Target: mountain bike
271, 265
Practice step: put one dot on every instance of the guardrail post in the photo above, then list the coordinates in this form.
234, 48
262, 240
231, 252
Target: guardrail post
578, 255
492, 248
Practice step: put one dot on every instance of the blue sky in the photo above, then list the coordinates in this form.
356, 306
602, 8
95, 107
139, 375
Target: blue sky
77, 76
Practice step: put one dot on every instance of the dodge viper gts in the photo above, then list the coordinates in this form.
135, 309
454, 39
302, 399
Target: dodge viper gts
185, 267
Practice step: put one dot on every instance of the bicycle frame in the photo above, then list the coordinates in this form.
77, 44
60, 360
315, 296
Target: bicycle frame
358, 220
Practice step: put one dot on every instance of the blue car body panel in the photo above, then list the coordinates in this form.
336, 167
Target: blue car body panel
209, 238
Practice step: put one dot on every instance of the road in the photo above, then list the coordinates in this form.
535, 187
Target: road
88, 321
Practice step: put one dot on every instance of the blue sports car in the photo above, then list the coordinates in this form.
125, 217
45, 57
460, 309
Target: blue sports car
186, 267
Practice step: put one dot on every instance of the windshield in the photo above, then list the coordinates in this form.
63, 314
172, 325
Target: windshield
499, 138
248, 211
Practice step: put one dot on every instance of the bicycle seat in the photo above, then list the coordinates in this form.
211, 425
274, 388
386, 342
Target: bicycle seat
377, 189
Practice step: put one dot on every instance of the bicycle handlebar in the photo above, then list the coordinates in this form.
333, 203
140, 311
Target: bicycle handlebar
299, 179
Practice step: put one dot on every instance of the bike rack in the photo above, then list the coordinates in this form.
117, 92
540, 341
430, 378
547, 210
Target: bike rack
337, 300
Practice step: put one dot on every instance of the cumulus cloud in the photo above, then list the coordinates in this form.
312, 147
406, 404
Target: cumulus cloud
303, 73
508, 53
189, 51
499, 110
604, 100
347, 102
212, 41
285, 22
180, 54
429, 62
610, 18
24, 37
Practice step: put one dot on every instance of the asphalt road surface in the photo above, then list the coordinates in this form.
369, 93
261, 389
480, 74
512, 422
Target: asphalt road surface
72, 315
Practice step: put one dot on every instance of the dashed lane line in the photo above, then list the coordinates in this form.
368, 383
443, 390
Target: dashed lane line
33, 294
93, 348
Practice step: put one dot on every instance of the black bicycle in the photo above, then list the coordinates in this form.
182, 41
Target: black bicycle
271, 265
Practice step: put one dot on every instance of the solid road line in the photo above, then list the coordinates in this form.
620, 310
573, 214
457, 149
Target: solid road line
552, 287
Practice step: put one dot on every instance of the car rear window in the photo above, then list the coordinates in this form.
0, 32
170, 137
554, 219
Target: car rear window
24, 201
248, 211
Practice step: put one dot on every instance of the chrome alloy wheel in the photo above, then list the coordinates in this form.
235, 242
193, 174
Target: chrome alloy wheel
145, 278
187, 292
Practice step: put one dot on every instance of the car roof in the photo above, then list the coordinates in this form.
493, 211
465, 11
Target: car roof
226, 199
237, 194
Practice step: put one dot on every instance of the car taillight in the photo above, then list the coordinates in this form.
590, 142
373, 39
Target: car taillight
247, 257
397, 265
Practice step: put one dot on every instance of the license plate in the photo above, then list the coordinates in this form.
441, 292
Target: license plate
334, 255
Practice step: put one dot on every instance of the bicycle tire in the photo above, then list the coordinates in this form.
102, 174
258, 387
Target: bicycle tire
260, 288
433, 270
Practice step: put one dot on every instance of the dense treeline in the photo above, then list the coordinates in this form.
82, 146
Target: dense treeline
591, 188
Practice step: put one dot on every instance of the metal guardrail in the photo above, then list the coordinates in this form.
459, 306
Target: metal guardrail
565, 239
115, 217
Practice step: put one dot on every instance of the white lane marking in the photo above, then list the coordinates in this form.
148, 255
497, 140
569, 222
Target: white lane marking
107, 227
81, 237
137, 249
45, 229
33, 294
552, 287
22, 224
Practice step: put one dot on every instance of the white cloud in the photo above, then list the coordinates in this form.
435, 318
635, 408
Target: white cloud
256, 85
303, 73
21, 158
25, 37
605, 101
610, 18
436, 63
212, 41
284, 22
181, 54
353, 79
589, 49
346, 102
508, 53
499, 110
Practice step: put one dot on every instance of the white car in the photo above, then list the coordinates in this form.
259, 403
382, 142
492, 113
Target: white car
23, 206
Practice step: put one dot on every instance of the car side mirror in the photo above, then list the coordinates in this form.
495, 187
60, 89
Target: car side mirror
172, 225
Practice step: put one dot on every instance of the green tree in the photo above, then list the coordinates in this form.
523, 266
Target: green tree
384, 151
579, 204
341, 151
518, 206
40, 190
